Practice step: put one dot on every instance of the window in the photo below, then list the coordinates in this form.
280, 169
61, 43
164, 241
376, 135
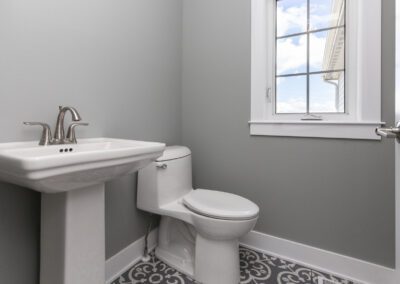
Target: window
316, 68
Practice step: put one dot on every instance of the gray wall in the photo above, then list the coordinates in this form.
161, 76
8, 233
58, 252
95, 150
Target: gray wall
333, 194
119, 64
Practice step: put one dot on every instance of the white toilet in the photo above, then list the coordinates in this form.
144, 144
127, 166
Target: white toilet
199, 229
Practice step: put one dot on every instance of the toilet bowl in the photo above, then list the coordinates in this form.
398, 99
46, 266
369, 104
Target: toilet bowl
199, 228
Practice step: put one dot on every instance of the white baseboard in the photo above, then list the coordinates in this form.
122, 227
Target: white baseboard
322, 260
126, 258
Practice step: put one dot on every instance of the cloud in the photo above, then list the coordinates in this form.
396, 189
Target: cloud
292, 19
326, 106
293, 105
317, 50
292, 51
297, 105
322, 15
292, 54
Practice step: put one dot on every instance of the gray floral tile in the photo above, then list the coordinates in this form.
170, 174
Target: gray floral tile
316, 274
255, 268
259, 268
153, 272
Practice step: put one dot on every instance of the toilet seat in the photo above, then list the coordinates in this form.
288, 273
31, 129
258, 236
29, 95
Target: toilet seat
220, 205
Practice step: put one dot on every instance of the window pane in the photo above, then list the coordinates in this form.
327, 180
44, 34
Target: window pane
291, 16
327, 93
291, 55
327, 50
326, 13
291, 94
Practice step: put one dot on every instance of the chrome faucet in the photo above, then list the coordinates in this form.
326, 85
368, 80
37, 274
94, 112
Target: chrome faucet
59, 135
46, 138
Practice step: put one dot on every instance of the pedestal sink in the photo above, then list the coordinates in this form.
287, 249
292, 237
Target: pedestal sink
71, 179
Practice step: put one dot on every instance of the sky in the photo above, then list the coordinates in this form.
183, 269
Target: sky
292, 55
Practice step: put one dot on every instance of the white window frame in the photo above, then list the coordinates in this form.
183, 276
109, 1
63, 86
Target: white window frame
363, 77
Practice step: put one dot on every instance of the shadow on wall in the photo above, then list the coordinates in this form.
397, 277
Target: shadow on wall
20, 226
20, 234
124, 222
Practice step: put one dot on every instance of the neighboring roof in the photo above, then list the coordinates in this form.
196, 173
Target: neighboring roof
335, 42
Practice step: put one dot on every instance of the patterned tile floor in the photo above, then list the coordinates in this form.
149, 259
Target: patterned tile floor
255, 268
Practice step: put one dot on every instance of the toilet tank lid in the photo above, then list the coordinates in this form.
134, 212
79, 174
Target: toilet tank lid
174, 152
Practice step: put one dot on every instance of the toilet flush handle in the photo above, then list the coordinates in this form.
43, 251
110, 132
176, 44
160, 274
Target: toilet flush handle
162, 166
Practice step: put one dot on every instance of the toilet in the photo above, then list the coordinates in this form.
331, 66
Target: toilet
199, 229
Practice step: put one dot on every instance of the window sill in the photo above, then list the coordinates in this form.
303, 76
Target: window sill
317, 129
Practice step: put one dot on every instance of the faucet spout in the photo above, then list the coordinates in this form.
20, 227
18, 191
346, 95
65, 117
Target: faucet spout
59, 135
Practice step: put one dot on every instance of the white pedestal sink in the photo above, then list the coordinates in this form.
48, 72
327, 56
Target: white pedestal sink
71, 179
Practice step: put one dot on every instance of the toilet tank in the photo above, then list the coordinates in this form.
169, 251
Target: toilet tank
165, 180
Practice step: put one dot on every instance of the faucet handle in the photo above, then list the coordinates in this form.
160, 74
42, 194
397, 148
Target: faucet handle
71, 137
46, 134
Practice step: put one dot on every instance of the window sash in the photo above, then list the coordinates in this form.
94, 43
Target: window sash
308, 73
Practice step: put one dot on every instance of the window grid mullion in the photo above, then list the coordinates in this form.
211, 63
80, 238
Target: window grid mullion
311, 31
311, 73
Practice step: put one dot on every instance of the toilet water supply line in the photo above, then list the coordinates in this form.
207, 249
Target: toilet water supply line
146, 256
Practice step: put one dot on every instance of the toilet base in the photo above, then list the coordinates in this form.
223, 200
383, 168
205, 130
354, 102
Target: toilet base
217, 262
175, 262
207, 261
176, 244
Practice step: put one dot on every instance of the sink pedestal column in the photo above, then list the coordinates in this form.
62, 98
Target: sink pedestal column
73, 237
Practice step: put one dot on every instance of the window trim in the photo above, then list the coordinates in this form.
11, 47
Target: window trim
363, 77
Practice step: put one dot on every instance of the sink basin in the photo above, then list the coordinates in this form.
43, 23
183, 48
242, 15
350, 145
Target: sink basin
72, 180
61, 168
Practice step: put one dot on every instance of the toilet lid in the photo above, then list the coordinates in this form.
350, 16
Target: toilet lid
220, 205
